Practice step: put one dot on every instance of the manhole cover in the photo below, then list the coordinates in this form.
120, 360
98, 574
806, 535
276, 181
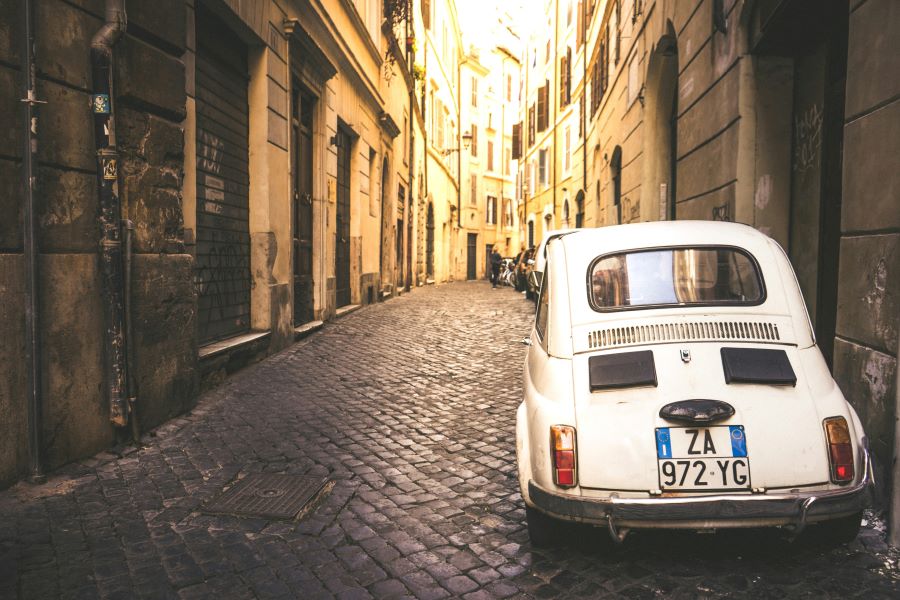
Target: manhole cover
267, 495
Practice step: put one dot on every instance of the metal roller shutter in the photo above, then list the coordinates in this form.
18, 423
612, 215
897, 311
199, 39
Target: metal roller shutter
223, 221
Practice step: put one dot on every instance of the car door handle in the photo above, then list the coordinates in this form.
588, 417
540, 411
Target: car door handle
526, 341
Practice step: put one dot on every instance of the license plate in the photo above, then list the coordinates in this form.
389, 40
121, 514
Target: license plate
702, 459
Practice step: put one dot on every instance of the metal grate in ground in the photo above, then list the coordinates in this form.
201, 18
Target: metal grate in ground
267, 495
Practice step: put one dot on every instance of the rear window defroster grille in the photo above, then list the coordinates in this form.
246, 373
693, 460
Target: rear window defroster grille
682, 332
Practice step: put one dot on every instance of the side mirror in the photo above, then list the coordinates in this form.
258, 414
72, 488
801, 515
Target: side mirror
526, 341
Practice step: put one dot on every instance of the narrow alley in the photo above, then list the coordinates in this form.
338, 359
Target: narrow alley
408, 408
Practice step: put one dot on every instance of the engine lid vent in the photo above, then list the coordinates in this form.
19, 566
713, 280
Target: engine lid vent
696, 331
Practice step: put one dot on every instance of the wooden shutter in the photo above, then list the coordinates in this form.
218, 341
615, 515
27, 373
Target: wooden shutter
426, 13
563, 81
517, 141
579, 25
474, 140
543, 112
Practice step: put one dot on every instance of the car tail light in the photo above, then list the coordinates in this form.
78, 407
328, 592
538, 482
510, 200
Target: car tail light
840, 450
562, 438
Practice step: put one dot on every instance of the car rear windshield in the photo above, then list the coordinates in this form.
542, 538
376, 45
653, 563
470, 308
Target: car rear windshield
675, 277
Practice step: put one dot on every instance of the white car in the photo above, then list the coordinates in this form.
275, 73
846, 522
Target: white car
673, 381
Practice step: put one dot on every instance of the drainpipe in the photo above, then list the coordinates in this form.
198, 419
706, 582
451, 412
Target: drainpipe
110, 208
411, 67
584, 130
894, 532
30, 251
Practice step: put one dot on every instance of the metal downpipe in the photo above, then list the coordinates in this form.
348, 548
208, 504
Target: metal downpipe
110, 209
30, 252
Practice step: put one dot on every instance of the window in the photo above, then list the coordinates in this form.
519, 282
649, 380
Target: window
509, 88
567, 156
566, 213
474, 91
507, 161
542, 166
568, 12
507, 213
490, 155
675, 277
473, 196
541, 317
474, 140
490, 211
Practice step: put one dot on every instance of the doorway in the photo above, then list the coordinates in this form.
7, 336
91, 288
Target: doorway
429, 242
302, 229
342, 221
472, 256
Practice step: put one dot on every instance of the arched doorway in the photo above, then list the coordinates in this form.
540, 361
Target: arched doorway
429, 242
615, 177
661, 130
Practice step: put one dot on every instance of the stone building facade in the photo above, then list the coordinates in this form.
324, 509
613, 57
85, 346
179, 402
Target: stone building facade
489, 92
781, 114
267, 161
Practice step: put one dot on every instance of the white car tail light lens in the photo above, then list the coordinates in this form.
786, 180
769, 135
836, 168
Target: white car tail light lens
562, 439
840, 450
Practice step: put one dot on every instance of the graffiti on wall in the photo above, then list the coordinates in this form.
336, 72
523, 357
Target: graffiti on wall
807, 138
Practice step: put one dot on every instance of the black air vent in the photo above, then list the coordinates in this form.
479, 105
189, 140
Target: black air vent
757, 365
627, 369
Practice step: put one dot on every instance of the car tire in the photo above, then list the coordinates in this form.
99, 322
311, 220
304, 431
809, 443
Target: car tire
839, 531
541, 529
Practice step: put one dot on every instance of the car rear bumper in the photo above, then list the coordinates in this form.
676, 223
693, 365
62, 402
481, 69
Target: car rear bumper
706, 512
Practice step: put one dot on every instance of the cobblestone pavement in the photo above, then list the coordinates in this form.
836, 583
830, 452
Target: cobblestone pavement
409, 406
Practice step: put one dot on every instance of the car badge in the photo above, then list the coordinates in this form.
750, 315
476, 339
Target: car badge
685, 356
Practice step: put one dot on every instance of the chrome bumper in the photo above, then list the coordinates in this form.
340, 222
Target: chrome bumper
706, 512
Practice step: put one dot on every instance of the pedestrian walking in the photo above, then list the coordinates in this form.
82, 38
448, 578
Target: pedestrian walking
496, 261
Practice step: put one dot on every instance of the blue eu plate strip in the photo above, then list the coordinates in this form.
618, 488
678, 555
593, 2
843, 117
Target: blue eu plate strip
738, 441
663, 443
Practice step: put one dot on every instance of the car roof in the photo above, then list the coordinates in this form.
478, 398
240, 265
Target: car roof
654, 234
574, 253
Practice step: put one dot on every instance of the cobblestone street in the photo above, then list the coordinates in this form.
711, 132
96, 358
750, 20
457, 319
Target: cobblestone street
409, 407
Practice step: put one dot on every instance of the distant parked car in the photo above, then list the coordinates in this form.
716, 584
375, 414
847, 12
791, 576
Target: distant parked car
673, 381
540, 259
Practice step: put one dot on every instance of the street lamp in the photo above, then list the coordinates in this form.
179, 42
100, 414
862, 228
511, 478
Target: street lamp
466, 138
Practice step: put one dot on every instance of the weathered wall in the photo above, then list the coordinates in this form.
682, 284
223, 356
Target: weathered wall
865, 355
149, 102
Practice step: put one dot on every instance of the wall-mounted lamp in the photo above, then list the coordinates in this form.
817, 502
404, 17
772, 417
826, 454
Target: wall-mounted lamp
466, 138
335, 141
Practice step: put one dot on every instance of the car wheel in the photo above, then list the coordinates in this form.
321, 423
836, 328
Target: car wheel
839, 531
541, 529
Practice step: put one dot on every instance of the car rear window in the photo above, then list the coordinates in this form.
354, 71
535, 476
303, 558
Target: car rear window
675, 277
